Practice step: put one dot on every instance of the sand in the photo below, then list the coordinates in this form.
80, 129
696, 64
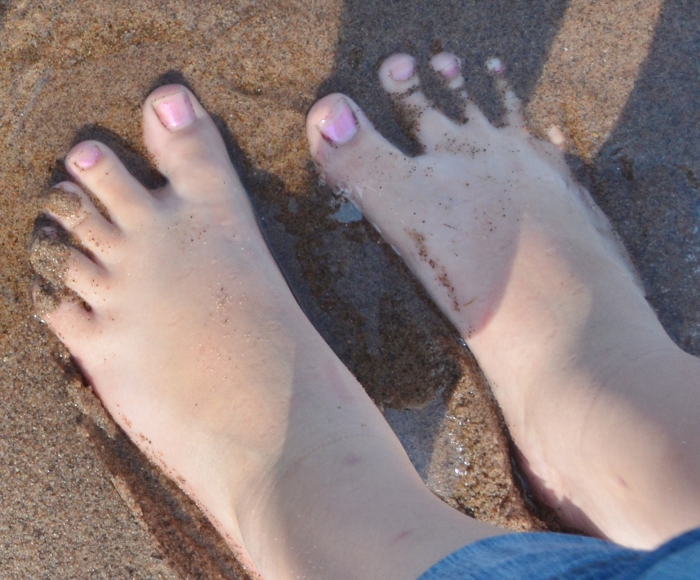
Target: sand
620, 81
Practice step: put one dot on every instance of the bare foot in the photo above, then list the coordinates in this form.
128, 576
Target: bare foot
195, 345
527, 268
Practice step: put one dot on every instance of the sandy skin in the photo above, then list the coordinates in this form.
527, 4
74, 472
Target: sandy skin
195, 345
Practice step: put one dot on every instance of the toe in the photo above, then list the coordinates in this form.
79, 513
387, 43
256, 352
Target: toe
398, 77
70, 207
512, 104
449, 67
347, 149
66, 267
97, 168
68, 319
176, 128
84, 277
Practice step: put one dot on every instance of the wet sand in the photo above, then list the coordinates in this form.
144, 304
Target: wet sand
621, 82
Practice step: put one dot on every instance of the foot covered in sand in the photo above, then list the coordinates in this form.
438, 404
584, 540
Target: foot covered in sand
190, 337
527, 268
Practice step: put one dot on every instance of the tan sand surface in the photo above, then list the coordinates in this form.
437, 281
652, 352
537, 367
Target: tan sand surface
618, 78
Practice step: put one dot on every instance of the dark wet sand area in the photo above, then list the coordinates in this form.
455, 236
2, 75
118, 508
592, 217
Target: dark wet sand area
620, 79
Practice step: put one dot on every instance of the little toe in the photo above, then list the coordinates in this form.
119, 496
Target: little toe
511, 102
347, 149
74, 210
97, 168
176, 128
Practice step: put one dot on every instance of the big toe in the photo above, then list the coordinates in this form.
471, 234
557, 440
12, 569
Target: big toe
350, 154
186, 144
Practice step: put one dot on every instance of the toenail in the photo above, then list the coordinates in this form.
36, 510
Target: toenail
174, 111
402, 69
340, 125
446, 64
86, 156
495, 66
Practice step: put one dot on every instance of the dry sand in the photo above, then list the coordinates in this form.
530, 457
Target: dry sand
619, 78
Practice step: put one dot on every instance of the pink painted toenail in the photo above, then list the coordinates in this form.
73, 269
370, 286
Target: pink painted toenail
495, 66
86, 156
174, 111
402, 68
340, 125
446, 64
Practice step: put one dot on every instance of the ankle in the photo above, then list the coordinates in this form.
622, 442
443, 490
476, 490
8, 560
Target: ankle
351, 508
285, 516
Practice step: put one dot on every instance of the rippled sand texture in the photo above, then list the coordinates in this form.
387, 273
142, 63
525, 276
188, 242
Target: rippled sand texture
620, 81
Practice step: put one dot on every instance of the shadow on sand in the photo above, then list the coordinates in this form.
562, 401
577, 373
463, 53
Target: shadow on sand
647, 176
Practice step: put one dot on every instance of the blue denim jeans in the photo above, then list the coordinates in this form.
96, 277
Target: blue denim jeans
548, 555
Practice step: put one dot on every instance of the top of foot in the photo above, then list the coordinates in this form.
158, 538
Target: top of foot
510, 247
186, 330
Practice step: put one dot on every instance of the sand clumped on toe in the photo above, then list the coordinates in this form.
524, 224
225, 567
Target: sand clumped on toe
64, 203
49, 257
78, 498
